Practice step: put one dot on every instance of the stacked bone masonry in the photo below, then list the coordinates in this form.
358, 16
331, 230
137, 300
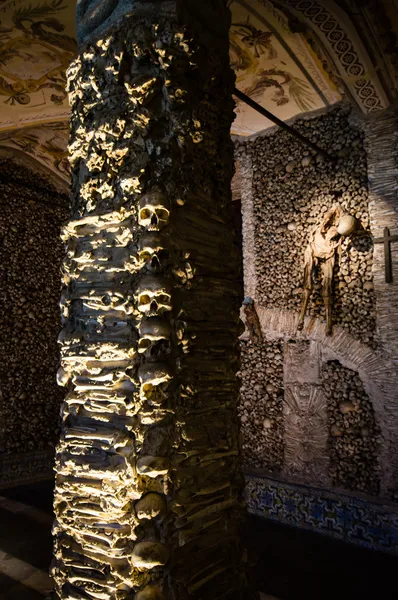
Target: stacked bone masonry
148, 490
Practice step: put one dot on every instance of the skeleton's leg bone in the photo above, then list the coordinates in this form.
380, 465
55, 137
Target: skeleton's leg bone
327, 267
308, 287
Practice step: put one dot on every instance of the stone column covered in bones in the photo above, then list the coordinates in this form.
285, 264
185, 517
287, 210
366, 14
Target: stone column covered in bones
148, 487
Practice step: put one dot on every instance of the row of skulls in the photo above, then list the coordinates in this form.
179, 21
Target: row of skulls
154, 212
153, 291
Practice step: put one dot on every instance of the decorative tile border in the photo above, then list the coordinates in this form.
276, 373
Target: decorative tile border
348, 518
19, 469
339, 36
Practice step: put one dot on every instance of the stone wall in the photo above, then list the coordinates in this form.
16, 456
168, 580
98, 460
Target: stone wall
30, 258
382, 150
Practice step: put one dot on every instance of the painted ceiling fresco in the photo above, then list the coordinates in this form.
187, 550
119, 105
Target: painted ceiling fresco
43, 142
291, 56
37, 43
273, 66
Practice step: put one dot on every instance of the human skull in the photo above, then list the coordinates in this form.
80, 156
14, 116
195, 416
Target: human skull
154, 211
346, 225
152, 330
154, 295
63, 377
153, 374
149, 245
147, 555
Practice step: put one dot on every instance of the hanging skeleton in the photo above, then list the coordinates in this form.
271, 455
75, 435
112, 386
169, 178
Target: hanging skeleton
320, 253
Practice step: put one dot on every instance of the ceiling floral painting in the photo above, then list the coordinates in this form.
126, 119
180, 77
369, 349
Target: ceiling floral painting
287, 55
45, 143
37, 43
274, 66
248, 46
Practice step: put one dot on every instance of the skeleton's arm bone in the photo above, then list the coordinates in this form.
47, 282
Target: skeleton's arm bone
334, 212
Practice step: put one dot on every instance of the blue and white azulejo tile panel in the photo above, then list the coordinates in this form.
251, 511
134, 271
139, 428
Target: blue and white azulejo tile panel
345, 517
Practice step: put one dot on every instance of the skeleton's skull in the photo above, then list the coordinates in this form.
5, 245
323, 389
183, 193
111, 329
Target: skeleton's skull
151, 506
154, 295
346, 225
154, 211
150, 592
153, 330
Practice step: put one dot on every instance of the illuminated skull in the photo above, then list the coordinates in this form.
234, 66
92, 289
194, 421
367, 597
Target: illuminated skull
154, 211
153, 330
62, 377
346, 225
154, 295
152, 376
149, 245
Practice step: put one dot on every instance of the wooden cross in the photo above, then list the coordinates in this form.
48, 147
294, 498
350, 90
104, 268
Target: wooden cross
386, 240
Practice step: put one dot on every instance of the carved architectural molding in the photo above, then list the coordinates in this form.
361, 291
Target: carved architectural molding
301, 363
304, 415
305, 434
375, 368
338, 35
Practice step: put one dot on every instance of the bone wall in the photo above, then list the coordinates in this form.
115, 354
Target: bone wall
292, 188
261, 404
31, 253
354, 437
285, 191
